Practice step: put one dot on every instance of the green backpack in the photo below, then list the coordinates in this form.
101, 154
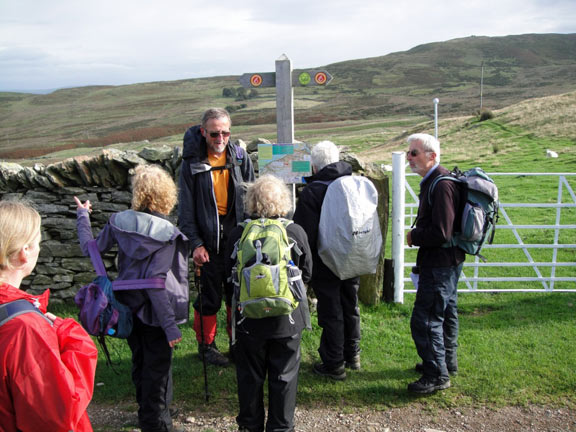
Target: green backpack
267, 283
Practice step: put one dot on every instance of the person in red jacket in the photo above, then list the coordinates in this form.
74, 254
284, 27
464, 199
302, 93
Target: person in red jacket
47, 363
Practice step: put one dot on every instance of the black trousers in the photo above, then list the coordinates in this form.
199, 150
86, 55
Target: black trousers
214, 285
152, 376
280, 360
339, 317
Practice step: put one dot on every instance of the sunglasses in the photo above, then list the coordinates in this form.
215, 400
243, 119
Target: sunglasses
415, 152
225, 134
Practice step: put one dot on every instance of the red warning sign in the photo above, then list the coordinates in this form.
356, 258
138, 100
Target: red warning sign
256, 80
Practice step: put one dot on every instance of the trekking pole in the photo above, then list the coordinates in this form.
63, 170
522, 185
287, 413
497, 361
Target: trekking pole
202, 341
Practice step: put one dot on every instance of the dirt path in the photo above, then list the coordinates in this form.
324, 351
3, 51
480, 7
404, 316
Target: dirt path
415, 418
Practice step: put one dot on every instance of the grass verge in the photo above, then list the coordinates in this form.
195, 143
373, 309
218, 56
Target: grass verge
515, 349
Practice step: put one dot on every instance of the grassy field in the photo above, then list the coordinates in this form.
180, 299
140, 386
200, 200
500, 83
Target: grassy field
516, 139
515, 349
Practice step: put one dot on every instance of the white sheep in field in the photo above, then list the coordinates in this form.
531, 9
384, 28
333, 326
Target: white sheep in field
552, 154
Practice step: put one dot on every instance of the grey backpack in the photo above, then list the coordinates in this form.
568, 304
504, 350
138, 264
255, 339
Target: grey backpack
479, 212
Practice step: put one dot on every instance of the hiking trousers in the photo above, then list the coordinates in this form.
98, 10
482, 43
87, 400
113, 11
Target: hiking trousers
215, 287
434, 321
339, 317
257, 357
152, 376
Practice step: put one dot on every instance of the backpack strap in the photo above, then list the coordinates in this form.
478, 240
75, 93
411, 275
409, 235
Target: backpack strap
18, 307
235, 164
96, 258
452, 241
435, 182
132, 284
121, 285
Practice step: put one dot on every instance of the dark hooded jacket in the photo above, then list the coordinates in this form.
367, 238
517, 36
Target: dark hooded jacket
435, 223
309, 206
149, 247
197, 209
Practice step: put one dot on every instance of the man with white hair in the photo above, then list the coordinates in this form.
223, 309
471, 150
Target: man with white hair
338, 312
434, 322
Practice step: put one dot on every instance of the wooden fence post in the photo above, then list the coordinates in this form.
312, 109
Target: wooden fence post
370, 291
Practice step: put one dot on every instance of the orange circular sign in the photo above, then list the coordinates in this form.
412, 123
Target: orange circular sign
256, 80
320, 78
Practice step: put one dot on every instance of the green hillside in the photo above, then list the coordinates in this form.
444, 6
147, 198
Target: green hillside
392, 90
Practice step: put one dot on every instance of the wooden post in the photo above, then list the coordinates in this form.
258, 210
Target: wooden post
371, 286
284, 101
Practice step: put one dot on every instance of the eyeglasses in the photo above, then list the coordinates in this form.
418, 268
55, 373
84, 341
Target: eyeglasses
225, 134
415, 152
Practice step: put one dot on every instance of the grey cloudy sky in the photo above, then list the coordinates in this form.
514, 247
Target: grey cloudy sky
70, 43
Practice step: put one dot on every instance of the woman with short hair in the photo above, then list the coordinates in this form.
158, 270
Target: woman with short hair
270, 346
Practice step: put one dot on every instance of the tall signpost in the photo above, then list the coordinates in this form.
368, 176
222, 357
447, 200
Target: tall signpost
284, 101
285, 80
289, 160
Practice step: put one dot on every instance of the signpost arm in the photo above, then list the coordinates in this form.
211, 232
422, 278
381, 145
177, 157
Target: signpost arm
284, 100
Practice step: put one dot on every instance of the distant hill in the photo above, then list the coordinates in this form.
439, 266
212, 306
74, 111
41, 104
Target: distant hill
512, 68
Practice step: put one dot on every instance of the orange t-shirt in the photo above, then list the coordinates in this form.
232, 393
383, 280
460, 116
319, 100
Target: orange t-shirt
220, 181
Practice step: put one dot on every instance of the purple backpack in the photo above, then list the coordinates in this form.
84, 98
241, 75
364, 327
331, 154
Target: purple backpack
101, 314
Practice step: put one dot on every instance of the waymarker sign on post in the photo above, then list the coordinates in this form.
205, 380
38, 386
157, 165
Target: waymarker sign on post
285, 80
301, 79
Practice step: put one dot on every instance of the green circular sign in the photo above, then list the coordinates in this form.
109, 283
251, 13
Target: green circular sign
304, 78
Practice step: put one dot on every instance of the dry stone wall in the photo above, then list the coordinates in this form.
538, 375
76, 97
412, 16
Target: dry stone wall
102, 179
105, 181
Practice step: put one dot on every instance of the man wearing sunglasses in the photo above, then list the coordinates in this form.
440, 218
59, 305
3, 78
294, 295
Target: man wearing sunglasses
434, 322
210, 206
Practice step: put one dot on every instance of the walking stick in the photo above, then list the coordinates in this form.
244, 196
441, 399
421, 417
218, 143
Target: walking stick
203, 350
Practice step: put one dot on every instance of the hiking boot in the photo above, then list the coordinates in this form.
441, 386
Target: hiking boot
337, 373
212, 355
353, 363
451, 370
427, 385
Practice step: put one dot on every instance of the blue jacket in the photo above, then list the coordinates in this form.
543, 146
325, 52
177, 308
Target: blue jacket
197, 209
149, 246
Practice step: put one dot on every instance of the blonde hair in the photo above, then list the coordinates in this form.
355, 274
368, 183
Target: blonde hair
19, 226
153, 189
267, 197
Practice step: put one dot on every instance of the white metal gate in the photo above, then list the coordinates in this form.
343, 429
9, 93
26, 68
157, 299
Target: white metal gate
555, 270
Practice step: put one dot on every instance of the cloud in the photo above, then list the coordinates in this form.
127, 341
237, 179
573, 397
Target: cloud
69, 43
